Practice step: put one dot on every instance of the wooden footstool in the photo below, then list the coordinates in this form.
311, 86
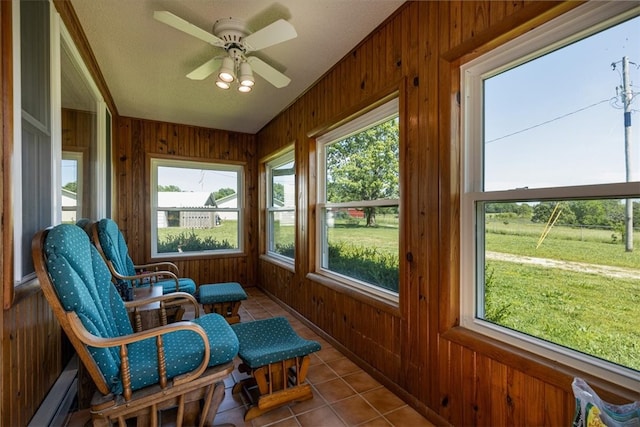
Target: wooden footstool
222, 298
277, 359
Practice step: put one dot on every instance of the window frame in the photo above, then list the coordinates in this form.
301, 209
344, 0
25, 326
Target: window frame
281, 159
378, 113
575, 25
156, 162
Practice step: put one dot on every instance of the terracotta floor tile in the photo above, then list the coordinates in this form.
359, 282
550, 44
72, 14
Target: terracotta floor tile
343, 366
289, 422
329, 353
407, 416
376, 422
232, 416
321, 417
355, 410
273, 416
383, 400
320, 373
308, 405
361, 381
334, 390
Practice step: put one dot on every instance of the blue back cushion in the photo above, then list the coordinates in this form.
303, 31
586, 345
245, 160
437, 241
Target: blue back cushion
115, 247
83, 284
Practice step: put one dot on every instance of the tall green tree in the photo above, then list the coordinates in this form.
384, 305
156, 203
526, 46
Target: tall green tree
365, 166
223, 192
169, 188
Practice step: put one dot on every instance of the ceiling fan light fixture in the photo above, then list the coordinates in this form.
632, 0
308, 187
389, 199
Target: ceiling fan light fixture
226, 70
244, 89
246, 75
222, 84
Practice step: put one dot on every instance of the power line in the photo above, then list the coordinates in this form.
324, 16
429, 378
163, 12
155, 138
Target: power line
550, 121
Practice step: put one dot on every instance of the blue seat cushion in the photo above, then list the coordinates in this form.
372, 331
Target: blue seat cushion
221, 292
186, 285
270, 340
183, 351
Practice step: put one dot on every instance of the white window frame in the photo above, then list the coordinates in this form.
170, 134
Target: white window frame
282, 159
371, 118
575, 25
197, 165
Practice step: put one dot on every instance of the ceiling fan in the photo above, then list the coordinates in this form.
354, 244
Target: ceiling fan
233, 36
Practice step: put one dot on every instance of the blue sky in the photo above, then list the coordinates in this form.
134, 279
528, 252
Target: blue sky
567, 101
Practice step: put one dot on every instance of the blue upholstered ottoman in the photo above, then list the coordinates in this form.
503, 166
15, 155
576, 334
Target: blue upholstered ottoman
222, 298
277, 359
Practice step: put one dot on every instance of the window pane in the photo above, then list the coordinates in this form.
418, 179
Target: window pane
559, 120
559, 271
283, 233
181, 231
283, 194
70, 194
365, 253
197, 209
364, 166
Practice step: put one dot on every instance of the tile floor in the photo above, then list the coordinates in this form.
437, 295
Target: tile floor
344, 394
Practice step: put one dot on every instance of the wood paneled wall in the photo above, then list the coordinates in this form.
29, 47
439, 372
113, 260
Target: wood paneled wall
416, 349
137, 140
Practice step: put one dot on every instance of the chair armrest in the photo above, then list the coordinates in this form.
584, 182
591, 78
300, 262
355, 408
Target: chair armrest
175, 298
153, 276
156, 266
88, 338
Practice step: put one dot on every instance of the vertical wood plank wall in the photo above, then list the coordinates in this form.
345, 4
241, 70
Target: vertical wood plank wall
462, 380
135, 141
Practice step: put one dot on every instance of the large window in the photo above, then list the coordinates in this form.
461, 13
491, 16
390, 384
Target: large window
358, 202
281, 206
551, 192
196, 208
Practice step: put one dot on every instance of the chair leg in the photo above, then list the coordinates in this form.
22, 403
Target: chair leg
211, 403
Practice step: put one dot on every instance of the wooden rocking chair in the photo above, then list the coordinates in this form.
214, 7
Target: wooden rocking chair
178, 366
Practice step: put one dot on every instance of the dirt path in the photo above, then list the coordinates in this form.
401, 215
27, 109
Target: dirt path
603, 270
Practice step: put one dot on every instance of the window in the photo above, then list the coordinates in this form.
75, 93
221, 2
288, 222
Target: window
71, 186
358, 202
281, 207
197, 208
551, 192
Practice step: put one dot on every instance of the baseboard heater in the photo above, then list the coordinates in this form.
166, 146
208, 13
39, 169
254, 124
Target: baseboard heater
55, 408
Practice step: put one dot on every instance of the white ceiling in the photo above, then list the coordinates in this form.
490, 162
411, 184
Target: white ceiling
144, 62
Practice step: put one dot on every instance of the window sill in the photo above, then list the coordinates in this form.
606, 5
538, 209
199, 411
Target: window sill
186, 257
544, 369
379, 303
279, 262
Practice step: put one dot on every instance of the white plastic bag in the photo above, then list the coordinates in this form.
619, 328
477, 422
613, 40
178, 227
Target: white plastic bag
591, 411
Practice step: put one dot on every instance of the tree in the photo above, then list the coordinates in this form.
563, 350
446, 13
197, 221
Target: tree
278, 192
223, 192
169, 188
71, 186
365, 166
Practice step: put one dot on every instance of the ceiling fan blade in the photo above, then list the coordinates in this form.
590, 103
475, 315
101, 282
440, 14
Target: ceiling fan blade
206, 69
278, 32
269, 73
180, 24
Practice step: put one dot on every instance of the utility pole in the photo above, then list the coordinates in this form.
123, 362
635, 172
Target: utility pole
627, 96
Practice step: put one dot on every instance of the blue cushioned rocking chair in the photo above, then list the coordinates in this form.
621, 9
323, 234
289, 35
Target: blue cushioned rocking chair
178, 366
106, 236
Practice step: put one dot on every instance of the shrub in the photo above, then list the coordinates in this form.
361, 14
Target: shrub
190, 242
